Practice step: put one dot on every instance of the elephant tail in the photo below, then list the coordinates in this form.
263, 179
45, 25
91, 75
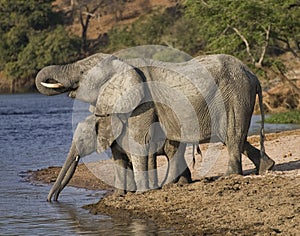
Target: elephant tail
197, 148
193, 154
262, 131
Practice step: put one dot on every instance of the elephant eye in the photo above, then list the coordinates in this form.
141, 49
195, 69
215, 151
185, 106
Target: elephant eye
81, 72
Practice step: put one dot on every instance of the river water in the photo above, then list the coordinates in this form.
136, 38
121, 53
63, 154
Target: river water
36, 132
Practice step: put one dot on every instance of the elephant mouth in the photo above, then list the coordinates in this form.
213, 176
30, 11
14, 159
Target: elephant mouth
52, 84
55, 85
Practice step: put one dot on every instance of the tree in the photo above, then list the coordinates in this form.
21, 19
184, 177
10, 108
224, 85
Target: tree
25, 29
246, 28
53, 46
86, 10
148, 29
255, 30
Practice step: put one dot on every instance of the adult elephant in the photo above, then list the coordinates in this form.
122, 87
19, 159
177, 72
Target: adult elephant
209, 98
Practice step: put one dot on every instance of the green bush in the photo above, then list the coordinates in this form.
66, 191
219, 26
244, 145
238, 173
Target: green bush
31, 37
148, 30
290, 117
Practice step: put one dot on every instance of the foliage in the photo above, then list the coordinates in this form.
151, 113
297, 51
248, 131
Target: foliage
225, 26
290, 117
50, 47
157, 52
30, 37
85, 10
256, 31
150, 29
252, 30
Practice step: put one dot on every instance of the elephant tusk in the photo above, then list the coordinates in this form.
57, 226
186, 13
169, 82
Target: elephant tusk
52, 86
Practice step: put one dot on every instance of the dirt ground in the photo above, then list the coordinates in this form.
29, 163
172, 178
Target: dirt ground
212, 204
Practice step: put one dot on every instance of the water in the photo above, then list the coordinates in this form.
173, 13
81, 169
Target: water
36, 132
269, 128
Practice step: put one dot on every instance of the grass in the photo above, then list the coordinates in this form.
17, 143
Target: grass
289, 117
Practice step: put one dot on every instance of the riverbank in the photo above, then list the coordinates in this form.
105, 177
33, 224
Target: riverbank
212, 205
8, 86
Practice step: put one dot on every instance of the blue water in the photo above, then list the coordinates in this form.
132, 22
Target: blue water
269, 128
35, 133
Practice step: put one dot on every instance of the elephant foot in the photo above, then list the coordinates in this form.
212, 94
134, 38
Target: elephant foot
229, 173
119, 192
158, 188
237, 170
266, 164
186, 177
184, 180
131, 188
153, 187
140, 192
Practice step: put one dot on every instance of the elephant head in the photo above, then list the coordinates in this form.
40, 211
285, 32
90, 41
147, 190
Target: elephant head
57, 79
85, 79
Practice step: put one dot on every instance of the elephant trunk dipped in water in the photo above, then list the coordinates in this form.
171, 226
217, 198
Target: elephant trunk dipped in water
210, 98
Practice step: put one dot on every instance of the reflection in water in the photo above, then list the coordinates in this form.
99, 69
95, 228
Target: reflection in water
84, 223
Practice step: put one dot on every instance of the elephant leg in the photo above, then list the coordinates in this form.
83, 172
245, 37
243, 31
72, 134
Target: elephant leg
130, 183
235, 158
152, 171
186, 176
262, 164
120, 162
178, 168
140, 165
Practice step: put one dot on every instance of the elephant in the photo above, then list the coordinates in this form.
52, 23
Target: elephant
85, 142
207, 99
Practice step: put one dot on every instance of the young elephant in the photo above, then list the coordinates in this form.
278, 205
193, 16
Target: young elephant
86, 140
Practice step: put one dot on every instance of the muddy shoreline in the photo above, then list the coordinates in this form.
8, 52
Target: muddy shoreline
211, 205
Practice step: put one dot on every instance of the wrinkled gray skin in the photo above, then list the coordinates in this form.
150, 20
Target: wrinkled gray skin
209, 98
85, 142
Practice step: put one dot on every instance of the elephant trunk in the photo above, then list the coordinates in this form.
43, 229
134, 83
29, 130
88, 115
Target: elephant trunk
57, 79
65, 174
53, 80
67, 178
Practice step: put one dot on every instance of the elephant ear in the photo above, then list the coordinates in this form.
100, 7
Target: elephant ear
85, 136
122, 93
108, 130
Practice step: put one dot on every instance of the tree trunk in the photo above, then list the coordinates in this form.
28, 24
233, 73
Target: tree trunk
13, 86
